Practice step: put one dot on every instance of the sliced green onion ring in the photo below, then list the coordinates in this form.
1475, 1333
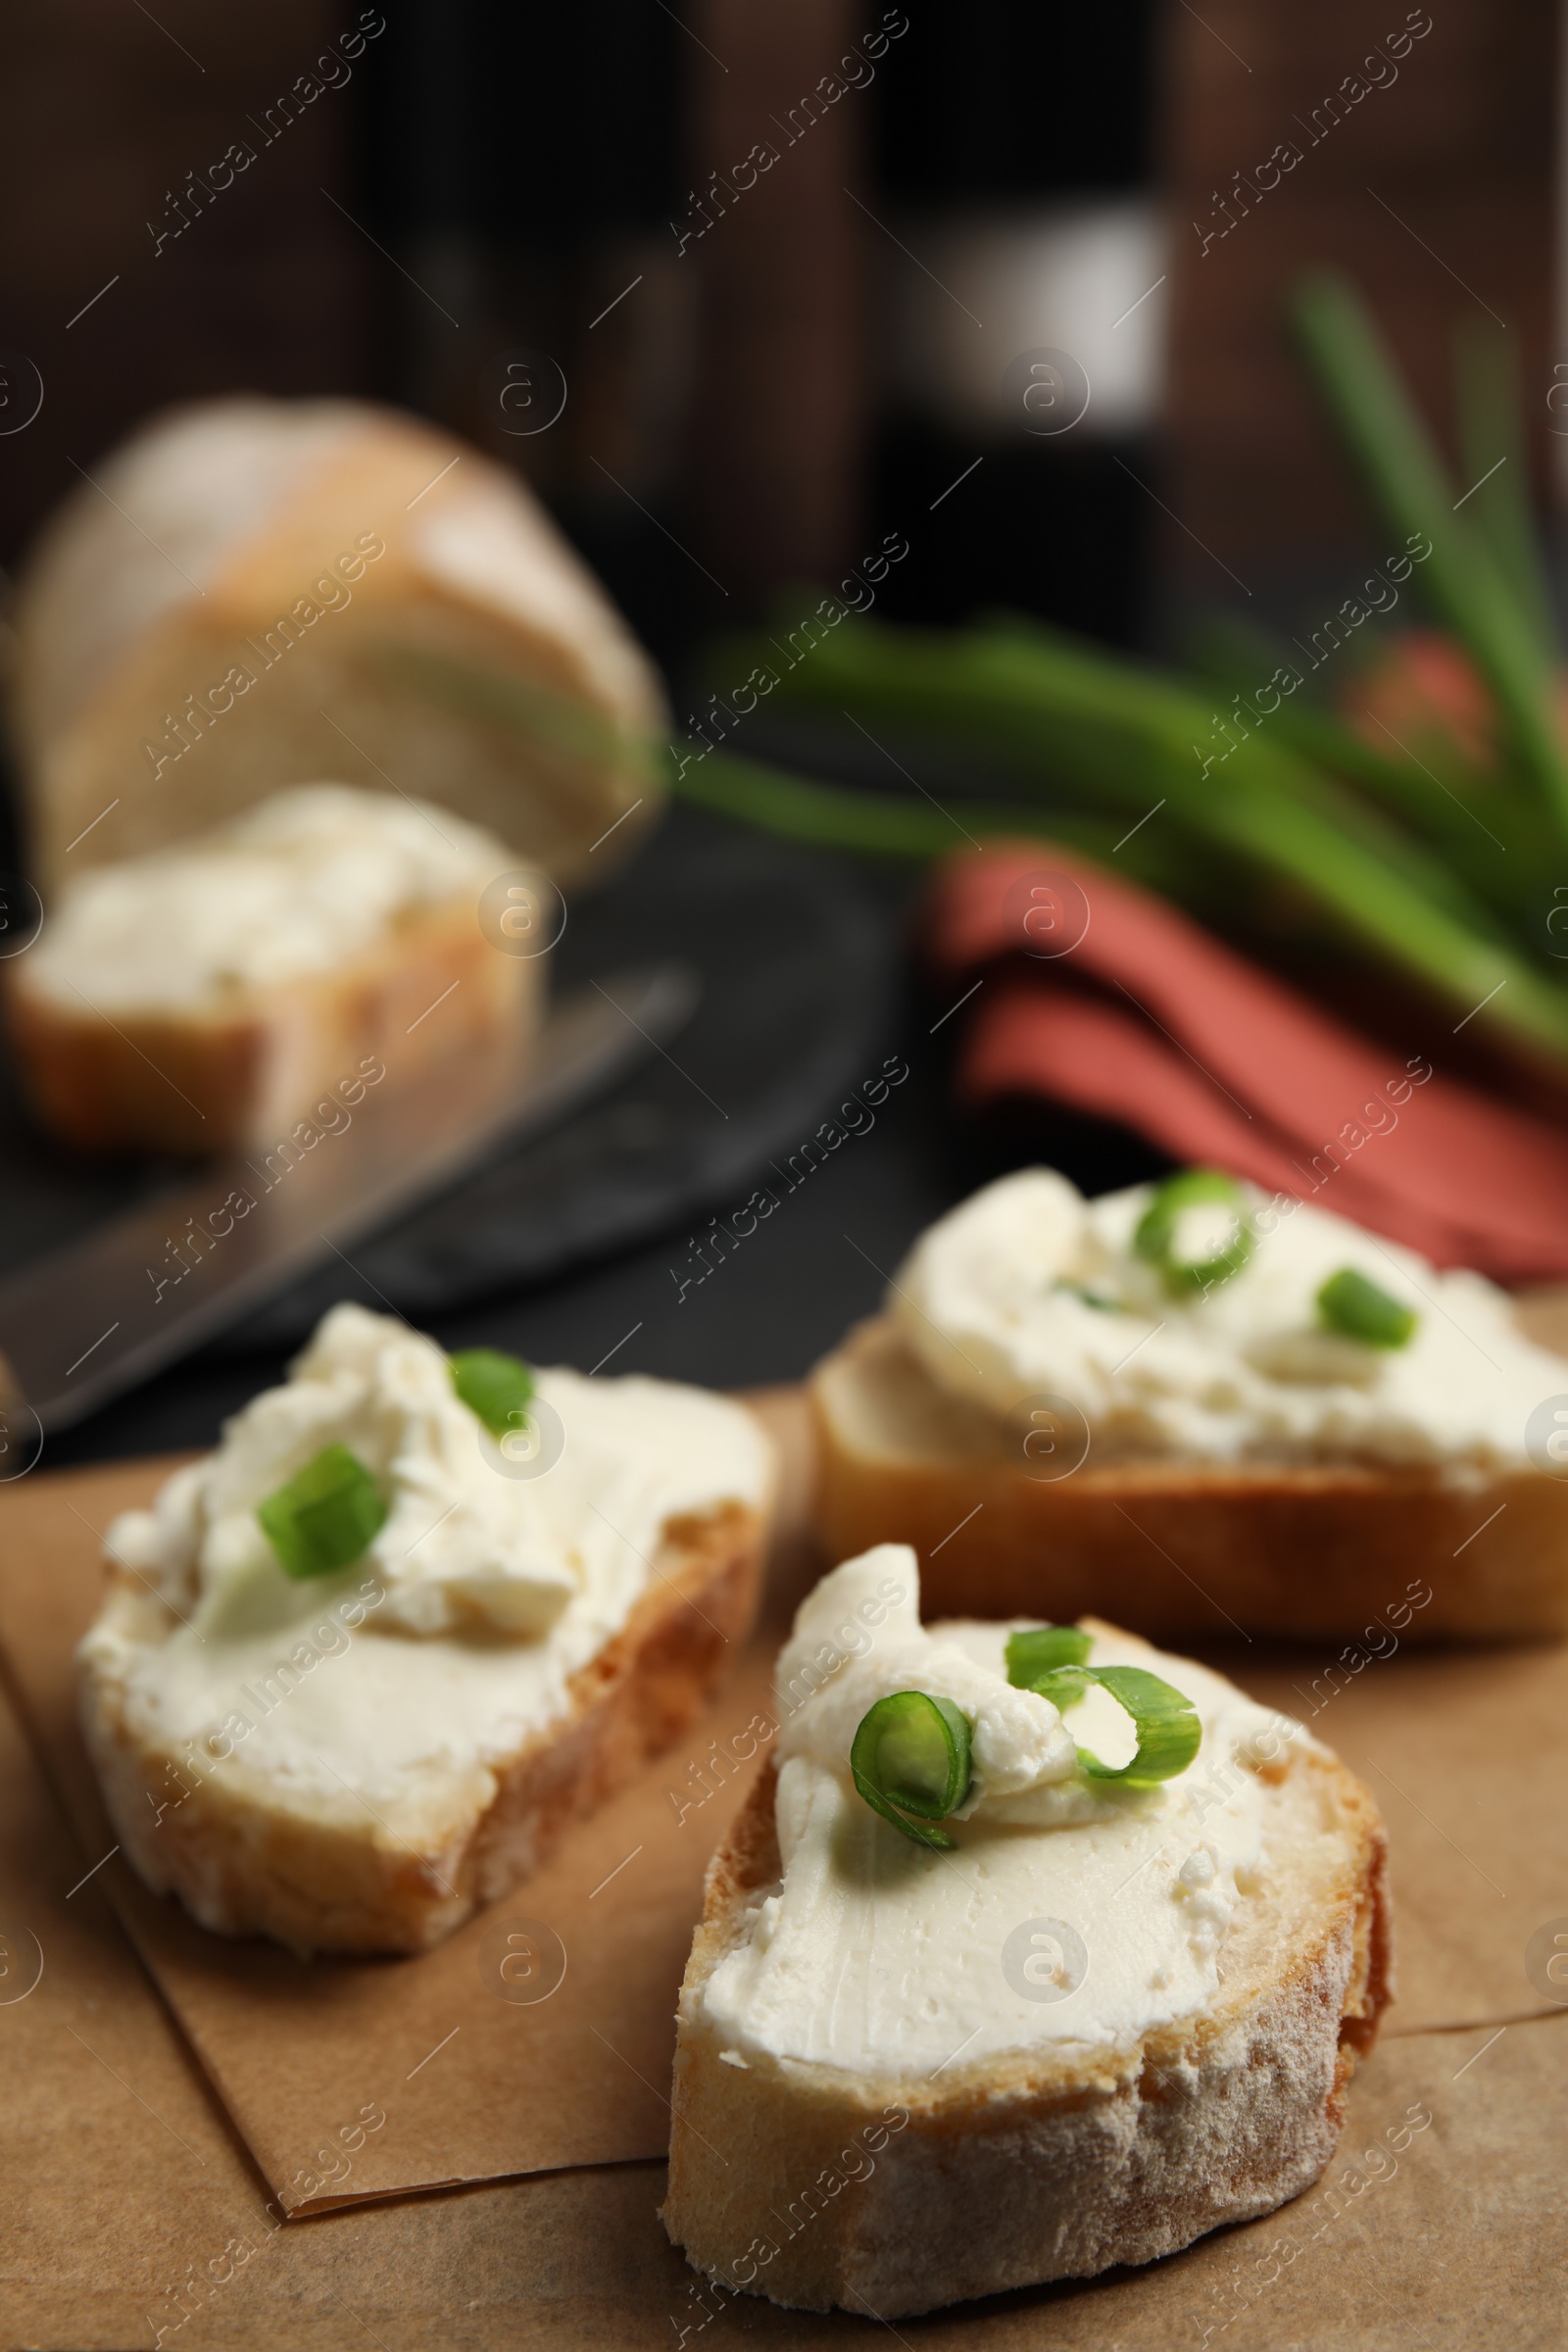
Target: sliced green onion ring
495, 1386
910, 1756
1034, 1653
1167, 1725
1350, 1303
1158, 1237
326, 1515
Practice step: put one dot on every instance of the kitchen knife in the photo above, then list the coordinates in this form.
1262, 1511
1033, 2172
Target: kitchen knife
93, 1318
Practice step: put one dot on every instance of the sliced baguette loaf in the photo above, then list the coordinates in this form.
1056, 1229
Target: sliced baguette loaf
210, 997
249, 591
247, 1853
1315, 1551
821, 2155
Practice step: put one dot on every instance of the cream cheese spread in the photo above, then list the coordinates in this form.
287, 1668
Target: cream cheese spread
481, 1597
1029, 1291
302, 882
1071, 1911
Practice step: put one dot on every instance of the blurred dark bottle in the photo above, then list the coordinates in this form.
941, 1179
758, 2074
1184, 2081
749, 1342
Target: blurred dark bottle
798, 266
522, 167
1024, 326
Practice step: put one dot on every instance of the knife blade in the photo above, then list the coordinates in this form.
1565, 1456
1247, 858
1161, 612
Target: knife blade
144, 1287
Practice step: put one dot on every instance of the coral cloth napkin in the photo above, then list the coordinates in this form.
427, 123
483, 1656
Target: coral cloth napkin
1099, 995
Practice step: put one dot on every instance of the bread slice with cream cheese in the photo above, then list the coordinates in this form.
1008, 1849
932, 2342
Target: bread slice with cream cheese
352, 1751
208, 996
1055, 1430
1107, 2019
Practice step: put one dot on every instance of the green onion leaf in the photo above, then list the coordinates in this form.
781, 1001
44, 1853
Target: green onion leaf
1168, 1730
326, 1515
1460, 577
495, 1386
1490, 415
1044, 1647
1349, 1302
1177, 1230
910, 1755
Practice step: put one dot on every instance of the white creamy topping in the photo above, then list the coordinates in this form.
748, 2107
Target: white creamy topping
301, 883
1029, 1291
482, 1593
1071, 1911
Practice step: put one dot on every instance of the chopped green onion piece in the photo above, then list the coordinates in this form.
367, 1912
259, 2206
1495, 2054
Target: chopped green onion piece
1034, 1653
1168, 1730
1164, 1236
495, 1386
326, 1515
910, 1755
1348, 1303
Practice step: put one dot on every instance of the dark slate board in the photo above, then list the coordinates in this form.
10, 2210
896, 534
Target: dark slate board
797, 964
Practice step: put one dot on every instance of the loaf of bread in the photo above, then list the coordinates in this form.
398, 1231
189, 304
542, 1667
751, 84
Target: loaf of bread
253, 593
1097, 2026
208, 997
351, 1751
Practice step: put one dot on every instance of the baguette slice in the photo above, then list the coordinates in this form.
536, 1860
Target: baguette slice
1174, 1548
359, 1667
251, 590
248, 1854
225, 1058
893, 2195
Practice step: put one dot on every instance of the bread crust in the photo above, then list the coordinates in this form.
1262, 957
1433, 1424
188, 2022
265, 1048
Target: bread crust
323, 1874
1175, 1549
893, 2195
236, 1073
